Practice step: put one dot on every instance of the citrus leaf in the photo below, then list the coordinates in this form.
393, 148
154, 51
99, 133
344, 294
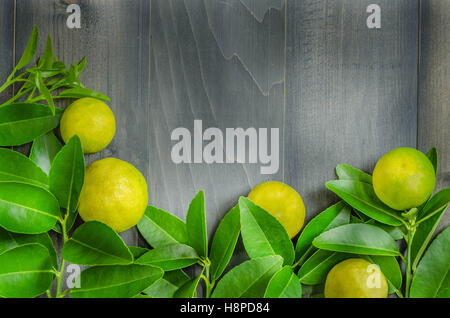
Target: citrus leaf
44, 91
362, 197
346, 172
358, 239
116, 281
168, 284
16, 167
315, 270
23, 122
25, 271
224, 242
431, 275
46, 62
94, 243
30, 50
336, 215
433, 156
284, 284
66, 175
10, 240
262, 234
430, 216
196, 224
27, 209
170, 257
188, 289
249, 279
137, 251
44, 150
80, 92
161, 228
390, 268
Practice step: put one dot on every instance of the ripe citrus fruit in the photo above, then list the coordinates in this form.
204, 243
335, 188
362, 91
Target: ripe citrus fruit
356, 278
404, 178
114, 193
281, 201
92, 120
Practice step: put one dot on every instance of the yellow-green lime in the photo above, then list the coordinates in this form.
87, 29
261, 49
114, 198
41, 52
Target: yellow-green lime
281, 201
114, 193
356, 278
404, 178
92, 120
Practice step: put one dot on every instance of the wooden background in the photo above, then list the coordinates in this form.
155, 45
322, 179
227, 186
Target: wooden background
338, 92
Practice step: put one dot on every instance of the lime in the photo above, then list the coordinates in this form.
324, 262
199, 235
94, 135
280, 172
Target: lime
281, 201
114, 193
356, 278
404, 178
92, 120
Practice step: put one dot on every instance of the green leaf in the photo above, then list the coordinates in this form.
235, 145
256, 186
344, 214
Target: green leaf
44, 91
25, 271
23, 122
16, 167
44, 150
137, 251
249, 279
188, 289
284, 284
315, 270
362, 197
224, 242
431, 276
170, 257
70, 221
358, 239
10, 240
336, 215
262, 234
66, 175
46, 62
390, 268
29, 51
196, 225
168, 284
80, 92
433, 156
95, 243
161, 228
116, 281
27, 209
430, 216
392, 230
346, 172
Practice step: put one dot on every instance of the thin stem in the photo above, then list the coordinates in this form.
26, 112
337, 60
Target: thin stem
61, 268
411, 232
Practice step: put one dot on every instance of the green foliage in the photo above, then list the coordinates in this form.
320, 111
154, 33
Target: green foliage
116, 281
262, 234
94, 243
284, 284
170, 257
196, 224
44, 150
17, 168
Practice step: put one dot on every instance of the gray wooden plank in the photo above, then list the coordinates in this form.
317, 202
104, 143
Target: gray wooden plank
434, 87
114, 37
6, 44
221, 62
351, 91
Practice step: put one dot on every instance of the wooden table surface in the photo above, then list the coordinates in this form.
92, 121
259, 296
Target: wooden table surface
338, 91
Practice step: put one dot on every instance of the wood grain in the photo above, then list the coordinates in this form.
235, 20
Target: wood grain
6, 44
350, 92
221, 62
434, 87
